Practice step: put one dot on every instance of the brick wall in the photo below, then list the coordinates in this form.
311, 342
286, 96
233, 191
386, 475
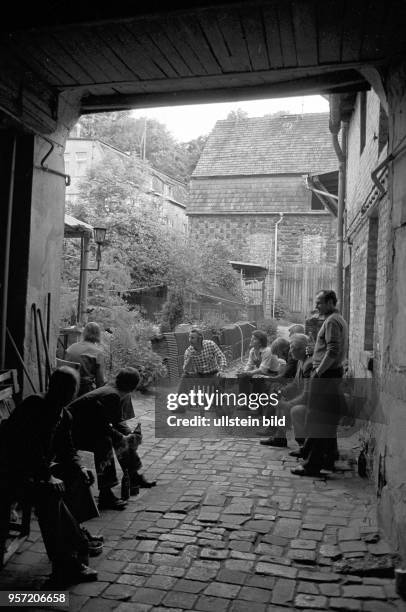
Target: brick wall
251, 237
369, 240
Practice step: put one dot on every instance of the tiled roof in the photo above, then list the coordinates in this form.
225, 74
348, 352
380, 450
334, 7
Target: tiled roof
269, 145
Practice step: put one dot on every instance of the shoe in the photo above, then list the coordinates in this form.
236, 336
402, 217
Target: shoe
140, 482
95, 549
90, 537
302, 471
296, 453
108, 501
73, 574
278, 442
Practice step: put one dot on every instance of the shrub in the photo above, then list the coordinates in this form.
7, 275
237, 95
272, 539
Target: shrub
270, 327
130, 345
172, 312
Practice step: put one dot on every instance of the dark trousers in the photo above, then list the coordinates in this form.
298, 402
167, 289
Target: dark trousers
59, 514
322, 418
103, 444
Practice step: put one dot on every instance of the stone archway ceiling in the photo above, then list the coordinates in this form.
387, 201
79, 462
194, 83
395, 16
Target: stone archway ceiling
120, 57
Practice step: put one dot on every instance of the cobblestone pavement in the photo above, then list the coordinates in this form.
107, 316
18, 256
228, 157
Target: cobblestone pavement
228, 528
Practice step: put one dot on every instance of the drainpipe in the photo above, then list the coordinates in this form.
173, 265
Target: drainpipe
341, 151
275, 264
6, 251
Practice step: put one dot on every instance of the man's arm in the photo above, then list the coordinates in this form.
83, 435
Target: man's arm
333, 338
188, 361
220, 357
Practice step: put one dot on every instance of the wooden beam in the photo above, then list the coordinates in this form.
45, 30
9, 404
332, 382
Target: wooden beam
327, 83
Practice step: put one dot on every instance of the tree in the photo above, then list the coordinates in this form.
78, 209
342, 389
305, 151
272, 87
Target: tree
237, 114
133, 135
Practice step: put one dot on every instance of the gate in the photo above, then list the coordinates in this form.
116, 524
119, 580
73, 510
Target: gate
299, 284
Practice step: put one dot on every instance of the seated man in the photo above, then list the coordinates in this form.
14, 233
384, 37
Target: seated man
293, 402
38, 433
89, 354
99, 427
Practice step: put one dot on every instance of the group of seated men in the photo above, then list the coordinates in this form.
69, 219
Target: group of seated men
39, 464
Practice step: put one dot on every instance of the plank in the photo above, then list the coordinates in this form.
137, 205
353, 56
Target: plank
304, 24
158, 36
353, 30
114, 65
191, 28
62, 57
330, 15
135, 55
272, 34
153, 50
179, 41
39, 61
230, 26
375, 25
288, 43
80, 52
214, 36
254, 30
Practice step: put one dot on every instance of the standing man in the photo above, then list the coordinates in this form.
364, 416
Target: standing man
324, 402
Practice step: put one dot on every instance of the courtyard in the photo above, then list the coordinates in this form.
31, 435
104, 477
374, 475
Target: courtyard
229, 528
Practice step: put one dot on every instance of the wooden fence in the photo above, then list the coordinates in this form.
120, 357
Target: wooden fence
299, 284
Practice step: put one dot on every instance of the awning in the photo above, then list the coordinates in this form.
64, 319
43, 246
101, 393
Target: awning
74, 228
325, 188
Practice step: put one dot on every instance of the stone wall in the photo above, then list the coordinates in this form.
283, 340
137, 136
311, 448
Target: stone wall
301, 237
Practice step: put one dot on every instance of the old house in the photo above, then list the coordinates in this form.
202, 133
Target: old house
376, 350
160, 194
253, 188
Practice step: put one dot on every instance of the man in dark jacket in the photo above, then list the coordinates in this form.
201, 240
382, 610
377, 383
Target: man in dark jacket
38, 462
99, 427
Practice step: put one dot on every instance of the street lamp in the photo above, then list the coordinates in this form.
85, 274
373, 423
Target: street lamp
99, 238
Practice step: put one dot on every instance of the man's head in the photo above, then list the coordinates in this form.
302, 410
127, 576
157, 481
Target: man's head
296, 329
298, 345
280, 348
92, 332
127, 380
195, 337
63, 386
259, 339
326, 301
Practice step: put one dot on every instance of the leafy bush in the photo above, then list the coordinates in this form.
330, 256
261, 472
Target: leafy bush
270, 327
172, 312
128, 344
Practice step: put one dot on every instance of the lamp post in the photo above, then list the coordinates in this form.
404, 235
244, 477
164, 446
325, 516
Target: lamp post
99, 234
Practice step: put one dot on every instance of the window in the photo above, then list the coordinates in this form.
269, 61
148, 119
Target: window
316, 204
363, 120
370, 297
383, 133
81, 162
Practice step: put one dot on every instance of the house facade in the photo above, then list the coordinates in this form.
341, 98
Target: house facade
165, 196
250, 188
371, 280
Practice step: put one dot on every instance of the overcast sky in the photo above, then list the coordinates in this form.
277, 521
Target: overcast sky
188, 122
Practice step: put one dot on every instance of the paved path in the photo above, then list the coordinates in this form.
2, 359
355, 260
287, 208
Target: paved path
228, 528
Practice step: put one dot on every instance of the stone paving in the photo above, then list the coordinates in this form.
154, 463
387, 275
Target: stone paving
228, 528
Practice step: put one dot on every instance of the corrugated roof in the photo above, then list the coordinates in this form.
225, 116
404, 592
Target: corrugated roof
269, 145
